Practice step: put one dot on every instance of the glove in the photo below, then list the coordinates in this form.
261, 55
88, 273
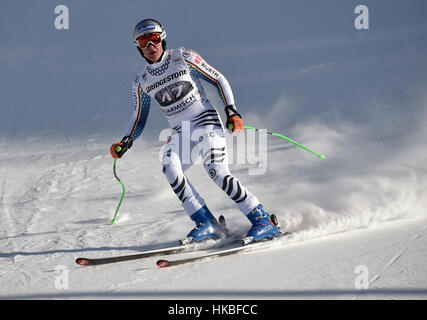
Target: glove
119, 148
234, 120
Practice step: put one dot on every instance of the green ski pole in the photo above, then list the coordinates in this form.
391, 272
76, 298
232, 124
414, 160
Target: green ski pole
113, 221
321, 156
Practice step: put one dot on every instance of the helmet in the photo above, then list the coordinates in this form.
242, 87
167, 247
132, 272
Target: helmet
149, 26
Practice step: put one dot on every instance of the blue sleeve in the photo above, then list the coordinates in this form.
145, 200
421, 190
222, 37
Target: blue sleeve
140, 115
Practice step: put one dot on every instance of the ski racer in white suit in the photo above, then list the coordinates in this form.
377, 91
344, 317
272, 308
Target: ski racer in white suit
172, 78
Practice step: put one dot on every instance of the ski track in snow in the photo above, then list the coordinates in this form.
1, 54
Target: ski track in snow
10, 226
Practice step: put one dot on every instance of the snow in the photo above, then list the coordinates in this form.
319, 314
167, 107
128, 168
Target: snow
358, 218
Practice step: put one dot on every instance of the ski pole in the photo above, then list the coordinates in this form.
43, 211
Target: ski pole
113, 221
321, 156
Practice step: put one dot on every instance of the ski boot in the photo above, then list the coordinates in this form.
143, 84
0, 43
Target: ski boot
264, 226
207, 227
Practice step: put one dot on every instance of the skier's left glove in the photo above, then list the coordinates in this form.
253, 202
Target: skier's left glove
119, 148
234, 120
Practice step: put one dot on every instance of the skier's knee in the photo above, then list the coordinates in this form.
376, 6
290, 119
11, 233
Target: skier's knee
217, 172
167, 160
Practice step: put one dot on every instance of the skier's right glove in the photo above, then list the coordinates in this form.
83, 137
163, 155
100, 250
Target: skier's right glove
119, 148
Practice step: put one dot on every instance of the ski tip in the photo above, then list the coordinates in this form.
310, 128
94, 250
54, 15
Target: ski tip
82, 261
162, 263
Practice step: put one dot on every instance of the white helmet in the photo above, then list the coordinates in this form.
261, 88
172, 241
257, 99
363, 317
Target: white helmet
149, 26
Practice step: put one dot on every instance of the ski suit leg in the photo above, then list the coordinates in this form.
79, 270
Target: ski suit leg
173, 168
215, 161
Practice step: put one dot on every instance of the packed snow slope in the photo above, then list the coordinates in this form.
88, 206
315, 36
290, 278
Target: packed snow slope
358, 218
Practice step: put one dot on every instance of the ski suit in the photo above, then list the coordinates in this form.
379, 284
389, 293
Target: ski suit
197, 131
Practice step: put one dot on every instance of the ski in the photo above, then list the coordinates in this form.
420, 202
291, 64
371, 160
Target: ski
182, 247
136, 256
152, 253
222, 253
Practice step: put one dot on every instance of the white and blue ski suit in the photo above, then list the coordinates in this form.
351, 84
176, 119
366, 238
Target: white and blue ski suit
197, 131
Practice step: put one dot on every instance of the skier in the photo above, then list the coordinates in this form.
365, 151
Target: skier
172, 78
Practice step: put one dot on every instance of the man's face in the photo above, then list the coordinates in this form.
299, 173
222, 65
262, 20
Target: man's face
153, 52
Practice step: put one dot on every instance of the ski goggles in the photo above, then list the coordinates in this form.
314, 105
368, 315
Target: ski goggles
155, 39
